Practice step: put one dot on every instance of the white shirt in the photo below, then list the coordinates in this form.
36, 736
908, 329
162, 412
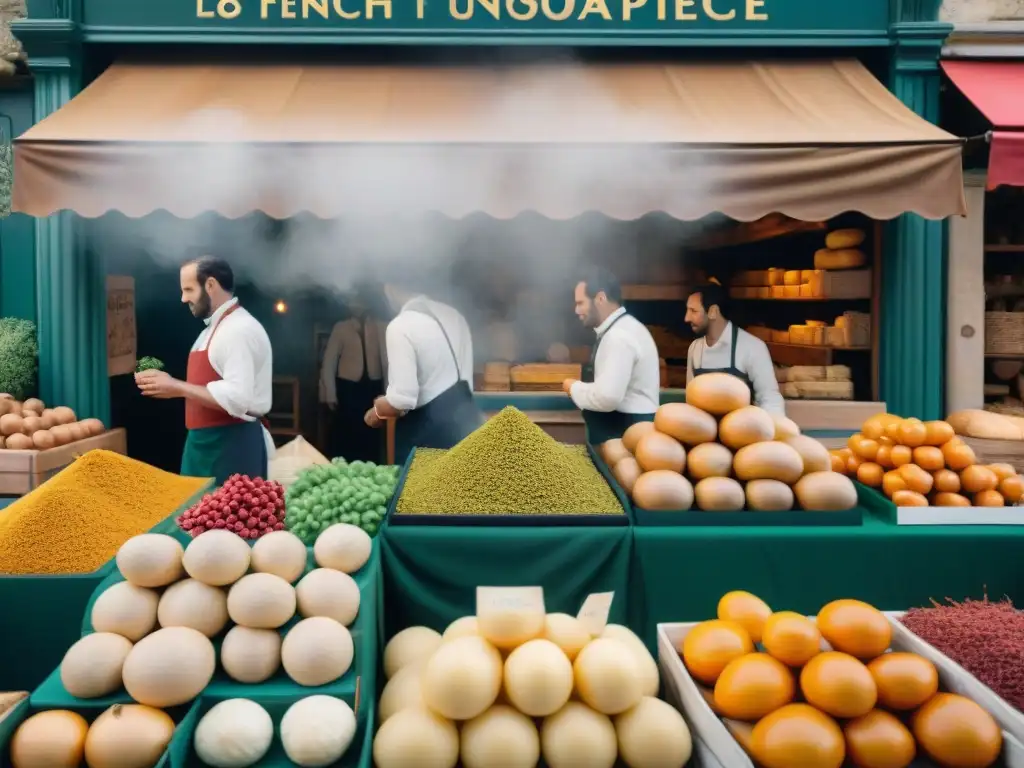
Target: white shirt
343, 356
627, 376
752, 358
420, 365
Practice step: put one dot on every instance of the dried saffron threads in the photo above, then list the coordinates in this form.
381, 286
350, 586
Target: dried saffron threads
985, 638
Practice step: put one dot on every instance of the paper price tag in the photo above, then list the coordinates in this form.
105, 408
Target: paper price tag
491, 600
594, 612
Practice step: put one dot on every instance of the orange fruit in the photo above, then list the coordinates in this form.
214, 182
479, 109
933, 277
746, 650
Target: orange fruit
917, 479
879, 740
954, 731
874, 427
938, 433
753, 686
929, 458
946, 481
912, 432
900, 455
909, 499
839, 685
950, 500
710, 645
838, 462
978, 478
905, 680
989, 499
870, 474
892, 482
884, 456
892, 430
1003, 471
958, 456
791, 638
1012, 488
747, 610
797, 734
853, 463
856, 628
863, 447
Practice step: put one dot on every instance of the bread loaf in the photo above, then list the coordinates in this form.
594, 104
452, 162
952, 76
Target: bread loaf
989, 426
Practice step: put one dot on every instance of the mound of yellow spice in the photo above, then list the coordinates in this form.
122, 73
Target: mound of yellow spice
76, 521
509, 466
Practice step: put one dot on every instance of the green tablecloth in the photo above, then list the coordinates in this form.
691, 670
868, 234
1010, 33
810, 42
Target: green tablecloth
682, 572
431, 573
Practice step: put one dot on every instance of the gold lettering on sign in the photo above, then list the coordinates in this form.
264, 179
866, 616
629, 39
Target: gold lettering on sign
600, 7
225, 9
682, 14
753, 14
562, 15
628, 6
711, 13
530, 11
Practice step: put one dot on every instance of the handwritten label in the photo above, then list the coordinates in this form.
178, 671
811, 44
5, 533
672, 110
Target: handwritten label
594, 612
492, 600
121, 334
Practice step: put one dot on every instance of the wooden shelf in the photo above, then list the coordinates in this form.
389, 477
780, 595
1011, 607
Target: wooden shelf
817, 346
801, 298
635, 292
806, 354
1009, 248
768, 228
998, 356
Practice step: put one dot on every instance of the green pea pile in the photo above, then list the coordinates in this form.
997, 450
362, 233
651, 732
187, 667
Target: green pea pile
509, 466
340, 492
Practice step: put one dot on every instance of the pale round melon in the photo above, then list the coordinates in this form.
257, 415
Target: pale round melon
650, 680
462, 679
719, 494
578, 736
500, 737
327, 592
402, 691
125, 610
709, 460
567, 632
465, 627
746, 426
510, 627
281, 553
151, 560
169, 667
768, 461
686, 423
653, 735
317, 651
343, 547
785, 428
235, 733
608, 677
538, 678
815, 455
416, 738
717, 393
261, 601
250, 655
191, 603
317, 730
409, 645
769, 496
826, 491
92, 666
217, 558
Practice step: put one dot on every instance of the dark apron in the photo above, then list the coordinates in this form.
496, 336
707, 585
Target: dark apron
602, 427
352, 438
446, 419
220, 452
732, 370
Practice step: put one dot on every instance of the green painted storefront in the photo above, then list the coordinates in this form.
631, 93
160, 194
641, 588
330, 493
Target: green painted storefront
46, 271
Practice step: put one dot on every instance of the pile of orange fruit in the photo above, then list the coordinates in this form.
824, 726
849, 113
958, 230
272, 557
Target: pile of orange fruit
923, 463
827, 691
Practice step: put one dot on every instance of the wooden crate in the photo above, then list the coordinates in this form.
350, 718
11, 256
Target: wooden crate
23, 471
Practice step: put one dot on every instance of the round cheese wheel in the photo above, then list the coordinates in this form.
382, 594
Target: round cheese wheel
768, 461
632, 435
769, 496
826, 491
719, 494
844, 238
686, 423
660, 451
709, 460
717, 393
662, 490
815, 455
745, 426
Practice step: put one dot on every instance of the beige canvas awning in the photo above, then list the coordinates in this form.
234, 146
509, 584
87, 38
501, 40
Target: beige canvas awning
806, 139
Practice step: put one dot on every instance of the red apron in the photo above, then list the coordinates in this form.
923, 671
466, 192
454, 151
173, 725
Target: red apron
201, 372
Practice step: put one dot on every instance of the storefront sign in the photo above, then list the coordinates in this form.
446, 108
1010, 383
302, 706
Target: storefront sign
121, 336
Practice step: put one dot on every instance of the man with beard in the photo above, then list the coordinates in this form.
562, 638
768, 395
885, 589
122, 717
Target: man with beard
620, 385
722, 347
227, 388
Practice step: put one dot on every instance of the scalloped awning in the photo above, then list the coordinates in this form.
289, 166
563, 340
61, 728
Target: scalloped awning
806, 139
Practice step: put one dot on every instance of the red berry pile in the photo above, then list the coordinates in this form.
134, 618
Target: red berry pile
251, 507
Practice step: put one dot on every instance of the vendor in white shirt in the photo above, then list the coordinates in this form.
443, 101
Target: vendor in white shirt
430, 375
621, 383
722, 347
227, 387
352, 374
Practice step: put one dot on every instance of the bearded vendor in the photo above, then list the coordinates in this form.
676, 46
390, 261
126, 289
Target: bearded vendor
227, 388
620, 385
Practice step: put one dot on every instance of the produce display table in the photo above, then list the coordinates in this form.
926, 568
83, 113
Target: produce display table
680, 573
431, 572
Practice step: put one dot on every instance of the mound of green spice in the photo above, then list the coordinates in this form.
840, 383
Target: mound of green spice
509, 466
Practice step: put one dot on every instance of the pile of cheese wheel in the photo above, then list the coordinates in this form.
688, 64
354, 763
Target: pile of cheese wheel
30, 425
511, 688
920, 464
724, 454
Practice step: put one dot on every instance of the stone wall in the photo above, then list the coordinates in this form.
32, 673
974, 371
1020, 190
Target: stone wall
980, 11
10, 48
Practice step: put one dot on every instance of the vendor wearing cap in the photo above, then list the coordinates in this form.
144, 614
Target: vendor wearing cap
722, 347
621, 383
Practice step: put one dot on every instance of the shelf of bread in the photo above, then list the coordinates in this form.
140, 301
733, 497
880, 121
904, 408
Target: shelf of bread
815, 382
795, 284
850, 330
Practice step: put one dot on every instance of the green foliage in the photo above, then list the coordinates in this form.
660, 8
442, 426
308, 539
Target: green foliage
149, 364
19, 357
6, 177
357, 493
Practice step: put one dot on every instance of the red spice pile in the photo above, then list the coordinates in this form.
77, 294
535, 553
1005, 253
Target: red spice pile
983, 637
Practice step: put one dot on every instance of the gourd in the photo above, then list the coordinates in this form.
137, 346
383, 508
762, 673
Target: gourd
92, 666
409, 645
327, 592
653, 733
538, 678
500, 736
234, 734
770, 461
746, 425
261, 601
685, 423
190, 603
317, 730
217, 558
343, 547
717, 393
709, 460
577, 735
719, 494
169, 667
463, 678
317, 651
151, 560
281, 553
250, 655
125, 610
607, 677
128, 736
826, 491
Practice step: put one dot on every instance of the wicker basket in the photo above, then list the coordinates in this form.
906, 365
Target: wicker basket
1004, 333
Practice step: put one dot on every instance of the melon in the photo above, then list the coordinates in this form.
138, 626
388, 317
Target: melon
717, 393
409, 645
577, 736
327, 592
567, 632
709, 460
769, 461
126, 610
128, 736
649, 676
608, 677
467, 626
653, 733
317, 651
190, 603
745, 426
462, 679
92, 666
169, 667
52, 738
281, 553
416, 738
719, 494
217, 557
403, 691
235, 733
343, 547
785, 428
500, 736
626, 473
769, 496
686, 423
261, 601
613, 451
250, 655
151, 560
317, 730
815, 455
663, 490
826, 491
538, 678
659, 451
